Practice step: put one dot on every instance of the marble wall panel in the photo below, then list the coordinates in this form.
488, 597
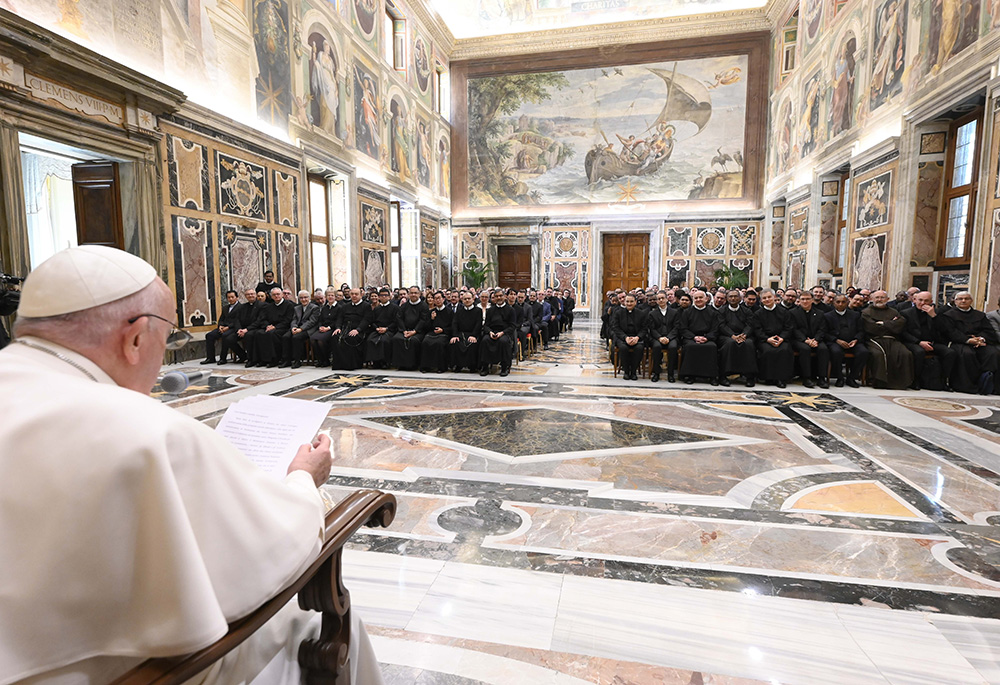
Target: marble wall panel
244, 256
373, 221
828, 216
187, 170
869, 255
993, 274
798, 225
375, 271
429, 271
704, 271
777, 246
926, 218
796, 268
711, 241
285, 189
678, 240
288, 270
951, 283
565, 256
742, 240
241, 187
195, 279
677, 272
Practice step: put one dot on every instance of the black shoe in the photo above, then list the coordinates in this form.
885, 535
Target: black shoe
808, 382
222, 362
839, 383
484, 372
780, 384
272, 365
689, 380
714, 381
670, 378
750, 382
915, 386
724, 381
853, 383
823, 383
209, 361
248, 365
504, 372
283, 365
655, 378
296, 364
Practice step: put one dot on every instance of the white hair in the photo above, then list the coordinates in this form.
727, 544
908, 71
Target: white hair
93, 327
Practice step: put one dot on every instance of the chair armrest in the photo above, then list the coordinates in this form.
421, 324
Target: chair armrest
320, 591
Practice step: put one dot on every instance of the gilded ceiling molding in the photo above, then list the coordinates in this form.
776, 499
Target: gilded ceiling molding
432, 22
622, 33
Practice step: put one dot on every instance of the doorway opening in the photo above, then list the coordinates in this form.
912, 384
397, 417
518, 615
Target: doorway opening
514, 266
625, 261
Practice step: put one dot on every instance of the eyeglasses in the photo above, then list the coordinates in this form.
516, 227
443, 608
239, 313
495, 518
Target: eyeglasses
177, 338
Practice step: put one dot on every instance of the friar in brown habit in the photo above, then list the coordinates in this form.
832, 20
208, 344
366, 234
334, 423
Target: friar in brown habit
890, 362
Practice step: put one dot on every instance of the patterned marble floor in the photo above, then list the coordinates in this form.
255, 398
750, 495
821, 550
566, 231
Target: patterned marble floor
563, 526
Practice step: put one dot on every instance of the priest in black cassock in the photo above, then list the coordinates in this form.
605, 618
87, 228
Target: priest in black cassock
662, 327
924, 335
466, 329
843, 335
434, 347
809, 340
975, 341
349, 339
891, 363
737, 354
378, 349
522, 318
628, 331
771, 330
412, 321
698, 328
569, 304
498, 336
272, 322
328, 322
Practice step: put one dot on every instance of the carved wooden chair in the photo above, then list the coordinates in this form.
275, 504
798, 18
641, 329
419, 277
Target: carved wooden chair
320, 588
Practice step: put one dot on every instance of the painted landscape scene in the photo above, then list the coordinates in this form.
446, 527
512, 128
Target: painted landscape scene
666, 131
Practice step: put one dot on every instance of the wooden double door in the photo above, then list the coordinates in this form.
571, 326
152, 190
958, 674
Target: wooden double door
514, 266
625, 260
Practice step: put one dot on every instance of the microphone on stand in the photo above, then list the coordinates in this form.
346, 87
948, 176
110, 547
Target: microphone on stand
176, 382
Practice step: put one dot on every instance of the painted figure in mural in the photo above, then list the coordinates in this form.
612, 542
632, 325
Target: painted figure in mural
889, 53
421, 64
785, 137
873, 209
810, 115
364, 10
868, 265
954, 25
842, 104
444, 164
813, 16
366, 110
270, 28
375, 269
323, 86
399, 142
423, 155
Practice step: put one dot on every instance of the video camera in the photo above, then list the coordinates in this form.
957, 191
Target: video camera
9, 297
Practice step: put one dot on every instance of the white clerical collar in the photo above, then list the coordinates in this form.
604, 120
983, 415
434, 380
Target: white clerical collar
699, 308
469, 308
439, 308
840, 313
771, 308
502, 305
734, 309
963, 310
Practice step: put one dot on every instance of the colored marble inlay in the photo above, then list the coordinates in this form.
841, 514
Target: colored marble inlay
854, 498
524, 432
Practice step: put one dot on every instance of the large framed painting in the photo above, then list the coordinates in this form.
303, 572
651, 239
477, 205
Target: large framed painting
672, 124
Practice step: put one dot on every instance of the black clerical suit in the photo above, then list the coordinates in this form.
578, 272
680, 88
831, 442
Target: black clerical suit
663, 324
293, 345
499, 318
410, 317
629, 324
810, 325
737, 357
523, 323
699, 359
434, 346
264, 287
555, 307
539, 328
467, 326
349, 350
266, 343
378, 349
230, 318
569, 304
971, 362
922, 327
847, 328
329, 317
890, 361
774, 363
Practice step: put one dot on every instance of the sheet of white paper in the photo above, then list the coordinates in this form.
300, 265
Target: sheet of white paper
269, 430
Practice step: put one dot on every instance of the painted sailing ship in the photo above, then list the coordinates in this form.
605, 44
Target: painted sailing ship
687, 100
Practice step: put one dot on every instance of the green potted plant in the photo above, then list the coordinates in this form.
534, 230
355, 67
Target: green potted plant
476, 272
730, 277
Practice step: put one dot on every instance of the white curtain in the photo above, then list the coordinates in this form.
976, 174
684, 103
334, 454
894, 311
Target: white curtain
48, 200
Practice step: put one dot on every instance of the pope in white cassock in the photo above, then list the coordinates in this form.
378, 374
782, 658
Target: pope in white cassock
129, 530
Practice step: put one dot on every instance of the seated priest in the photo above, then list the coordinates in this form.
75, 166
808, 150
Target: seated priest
843, 335
326, 324
698, 328
891, 363
147, 532
466, 328
228, 324
497, 346
662, 333
973, 338
434, 346
379, 349
412, 321
772, 330
809, 340
923, 336
349, 338
737, 354
272, 322
628, 331
305, 320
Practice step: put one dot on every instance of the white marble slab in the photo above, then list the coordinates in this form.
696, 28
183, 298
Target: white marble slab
977, 639
387, 588
502, 605
772, 639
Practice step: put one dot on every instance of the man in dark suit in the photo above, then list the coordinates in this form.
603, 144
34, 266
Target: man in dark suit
305, 320
628, 331
272, 322
662, 325
809, 340
976, 344
923, 336
737, 354
569, 304
227, 326
843, 335
327, 322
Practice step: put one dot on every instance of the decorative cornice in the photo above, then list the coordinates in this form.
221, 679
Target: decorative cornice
432, 23
621, 33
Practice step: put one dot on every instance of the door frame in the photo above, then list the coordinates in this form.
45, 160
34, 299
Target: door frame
492, 254
654, 227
